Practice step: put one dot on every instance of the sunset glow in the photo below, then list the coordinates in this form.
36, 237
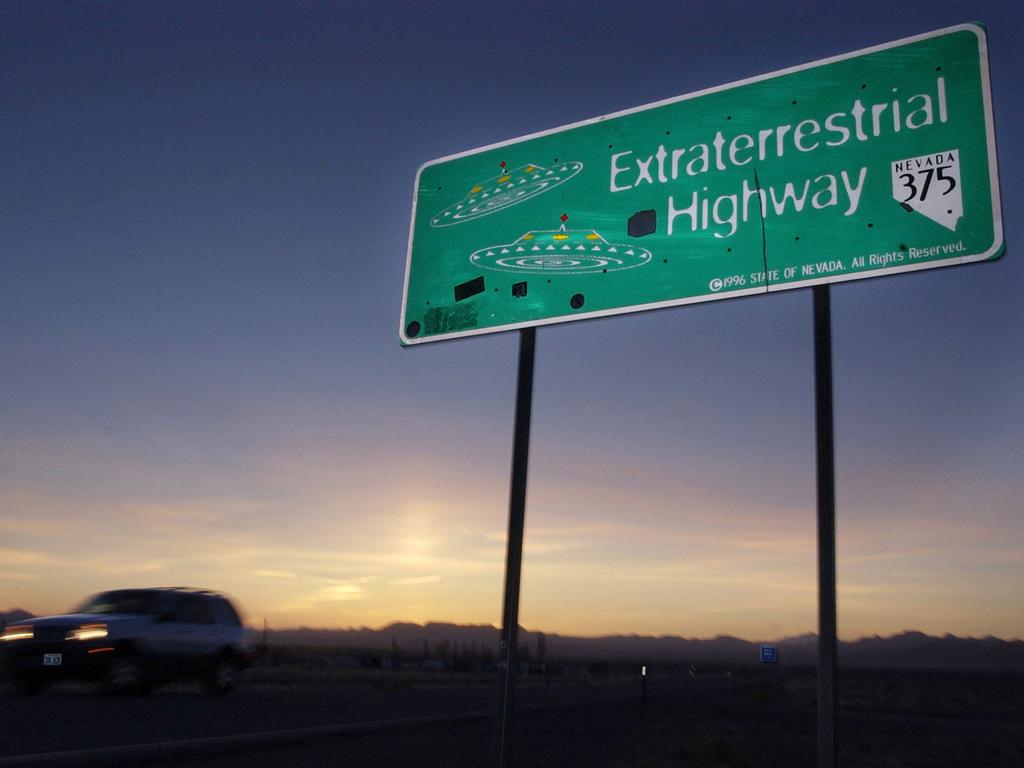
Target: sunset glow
201, 267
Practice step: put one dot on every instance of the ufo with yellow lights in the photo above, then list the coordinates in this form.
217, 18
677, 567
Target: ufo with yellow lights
561, 252
504, 190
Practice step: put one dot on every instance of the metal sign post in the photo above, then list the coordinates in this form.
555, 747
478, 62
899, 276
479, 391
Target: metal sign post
514, 555
827, 694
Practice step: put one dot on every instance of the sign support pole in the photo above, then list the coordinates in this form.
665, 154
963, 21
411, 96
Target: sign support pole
508, 652
824, 439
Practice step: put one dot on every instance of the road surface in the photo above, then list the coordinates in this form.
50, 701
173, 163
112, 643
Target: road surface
76, 720
704, 721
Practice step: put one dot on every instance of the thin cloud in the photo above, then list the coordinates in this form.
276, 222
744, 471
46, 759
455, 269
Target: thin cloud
24, 557
432, 579
277, 575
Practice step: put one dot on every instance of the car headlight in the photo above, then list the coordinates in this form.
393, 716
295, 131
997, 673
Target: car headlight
17, 633
87, 632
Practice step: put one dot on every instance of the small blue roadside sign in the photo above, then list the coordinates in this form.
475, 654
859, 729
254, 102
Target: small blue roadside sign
769, 653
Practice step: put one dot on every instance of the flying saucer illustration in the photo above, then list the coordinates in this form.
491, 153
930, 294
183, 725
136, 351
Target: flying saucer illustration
560, 252
504, 190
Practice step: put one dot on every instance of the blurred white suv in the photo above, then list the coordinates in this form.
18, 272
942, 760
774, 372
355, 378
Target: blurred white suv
132, 639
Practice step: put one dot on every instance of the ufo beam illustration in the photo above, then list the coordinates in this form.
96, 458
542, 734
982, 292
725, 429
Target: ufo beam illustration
504, 190
560, 252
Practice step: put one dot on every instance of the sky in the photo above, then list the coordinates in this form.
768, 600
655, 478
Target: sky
204, 214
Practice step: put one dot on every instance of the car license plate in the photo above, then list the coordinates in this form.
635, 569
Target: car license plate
52, 659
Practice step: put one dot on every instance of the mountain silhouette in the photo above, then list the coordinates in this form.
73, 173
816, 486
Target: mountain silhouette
907, 650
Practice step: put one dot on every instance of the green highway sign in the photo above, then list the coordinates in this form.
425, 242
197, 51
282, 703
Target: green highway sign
869, 163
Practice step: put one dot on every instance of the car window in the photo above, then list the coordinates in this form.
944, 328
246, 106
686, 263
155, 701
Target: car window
121, 601
224, 612
190, 609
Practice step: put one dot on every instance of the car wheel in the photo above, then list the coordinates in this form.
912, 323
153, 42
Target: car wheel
126, 675
223, 676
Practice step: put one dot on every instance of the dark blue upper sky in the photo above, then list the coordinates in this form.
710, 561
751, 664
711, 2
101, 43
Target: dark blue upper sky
203, 227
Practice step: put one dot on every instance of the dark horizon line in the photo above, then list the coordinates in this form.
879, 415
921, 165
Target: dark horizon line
632, 635
613, 635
